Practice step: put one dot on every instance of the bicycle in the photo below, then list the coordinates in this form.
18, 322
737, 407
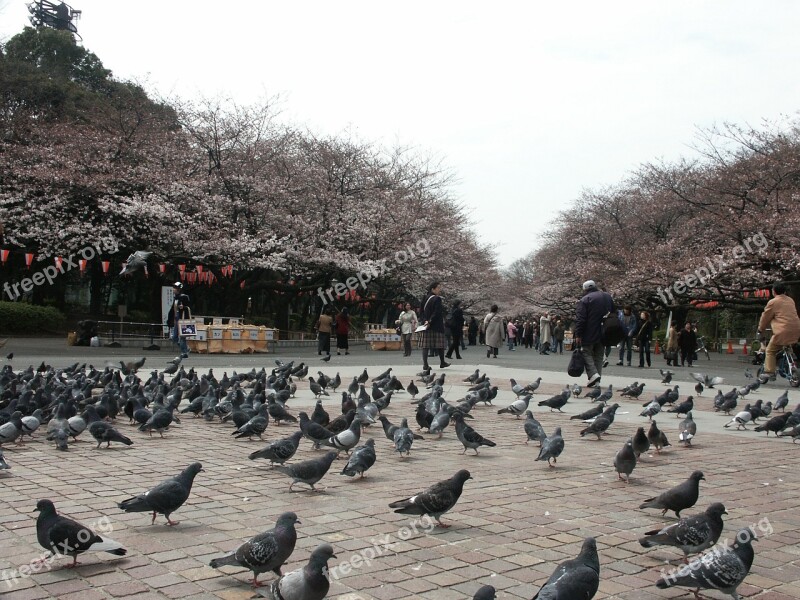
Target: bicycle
701, 347
786, 364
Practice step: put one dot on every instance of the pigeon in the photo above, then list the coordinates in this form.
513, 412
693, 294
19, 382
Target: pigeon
314, 432
308, 471
687, 429
281, 451
576, 390
403, 438
309, 583
364, 377
267, 551
316, 388
775, 424
412, 389
782, 402
707, 381
794, 433
605, 395
279, 413
656, 437
517, 388
104, 432
3, 463
741, 419
12, 430
678, 498
533, 429
65, 537
165, 498
593, 393
534, 385
486, 592
698, 387
690, 534
574, 579
360, 460
436, 500
593, 412
468, 436
667, 376
625, 461
320, 415
136, 262
159, 421
552, 447
683, 408
347, 439
722, 571
597, 427
639, 442
556, 402
440, 421
652, 410
255, 426
518, 407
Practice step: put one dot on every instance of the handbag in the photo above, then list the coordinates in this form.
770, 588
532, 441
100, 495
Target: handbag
187, 327
577, 364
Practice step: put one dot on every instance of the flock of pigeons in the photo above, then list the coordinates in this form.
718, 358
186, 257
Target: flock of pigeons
71, 401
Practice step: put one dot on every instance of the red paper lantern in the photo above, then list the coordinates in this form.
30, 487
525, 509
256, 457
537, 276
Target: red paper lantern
241, 285
162, 268
183, 275
106, 266
82, 265
182, 268
28, 259
59, 262
746, 294
199, 269
4, 255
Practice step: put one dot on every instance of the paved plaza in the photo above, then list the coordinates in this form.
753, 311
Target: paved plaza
516, 520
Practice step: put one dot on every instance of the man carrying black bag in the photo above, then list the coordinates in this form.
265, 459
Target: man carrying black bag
590, 312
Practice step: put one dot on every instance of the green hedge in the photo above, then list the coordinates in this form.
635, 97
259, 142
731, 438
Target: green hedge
19, 317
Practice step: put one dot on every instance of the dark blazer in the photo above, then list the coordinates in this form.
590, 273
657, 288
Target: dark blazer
645, 333
183, 312
589, 316
433, 313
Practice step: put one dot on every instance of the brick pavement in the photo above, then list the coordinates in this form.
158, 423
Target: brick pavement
515, 521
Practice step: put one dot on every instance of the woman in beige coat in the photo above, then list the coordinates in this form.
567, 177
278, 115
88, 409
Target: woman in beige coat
780, 314
493, 325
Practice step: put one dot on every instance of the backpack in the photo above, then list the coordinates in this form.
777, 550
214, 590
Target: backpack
612, 330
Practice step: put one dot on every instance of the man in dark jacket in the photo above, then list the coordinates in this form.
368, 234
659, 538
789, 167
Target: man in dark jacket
180, 310
456, 325
589, 329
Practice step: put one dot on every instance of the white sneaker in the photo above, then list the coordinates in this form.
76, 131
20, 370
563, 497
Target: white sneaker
593, 381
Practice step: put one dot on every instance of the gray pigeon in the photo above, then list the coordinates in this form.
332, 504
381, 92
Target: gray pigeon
486, 592
403, 438
587, 415
255, 426
556, 402
552, 447
12, 430
360, 460
657, 438
267, 551
687, 429
135, 262
308, 471
690, 534
651, 410
468, 436
436, 500
3, 463
517, 407
574, 579
625, 461
309, 583
639, 442
347, 439
782, 401
683, 408
533, 429
679, 498
597, 427
65, 537
440, 421
281, 451
722, 571
167, 497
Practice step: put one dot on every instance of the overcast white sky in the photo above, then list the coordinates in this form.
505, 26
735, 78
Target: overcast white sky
527, 102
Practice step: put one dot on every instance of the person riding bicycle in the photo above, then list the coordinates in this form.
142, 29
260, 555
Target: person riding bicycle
780, 314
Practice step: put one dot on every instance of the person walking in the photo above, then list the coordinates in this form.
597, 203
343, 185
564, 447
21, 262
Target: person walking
511, 335
589, 313
558, 336
408, 323
672, 348
180, 309
342, 326
493, 326
324, 330
472, 331
545, 335
456, 330
780, 315
433, 318
629, 323
643, 337
687, 342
